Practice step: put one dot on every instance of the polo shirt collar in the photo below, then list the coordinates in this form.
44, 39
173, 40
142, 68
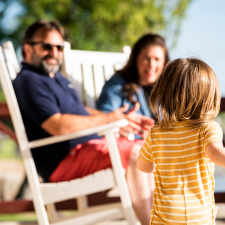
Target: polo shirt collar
34, 69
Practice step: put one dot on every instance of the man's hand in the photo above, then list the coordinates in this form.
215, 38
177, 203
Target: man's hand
118, 114
138, 124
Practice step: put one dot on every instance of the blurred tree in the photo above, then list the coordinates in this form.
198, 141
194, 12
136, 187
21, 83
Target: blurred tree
104, 25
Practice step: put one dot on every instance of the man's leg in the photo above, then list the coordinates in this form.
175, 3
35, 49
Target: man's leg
141, 187
83, 160
94, 156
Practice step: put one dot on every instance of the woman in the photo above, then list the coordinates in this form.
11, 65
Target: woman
130, 85
134, 82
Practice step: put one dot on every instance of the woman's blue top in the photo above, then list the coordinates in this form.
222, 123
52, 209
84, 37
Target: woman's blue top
111, 97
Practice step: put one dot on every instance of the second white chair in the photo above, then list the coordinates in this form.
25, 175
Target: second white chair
88, 70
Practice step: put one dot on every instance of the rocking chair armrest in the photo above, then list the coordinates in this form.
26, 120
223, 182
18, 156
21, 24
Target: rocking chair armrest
77, 134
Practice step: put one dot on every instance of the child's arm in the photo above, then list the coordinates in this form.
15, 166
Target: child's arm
144, 166
216, 153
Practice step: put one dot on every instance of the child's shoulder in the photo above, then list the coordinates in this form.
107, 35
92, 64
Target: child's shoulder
212, 126
155, 129
175, 126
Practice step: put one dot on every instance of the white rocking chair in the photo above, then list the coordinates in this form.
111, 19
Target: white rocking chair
46, 194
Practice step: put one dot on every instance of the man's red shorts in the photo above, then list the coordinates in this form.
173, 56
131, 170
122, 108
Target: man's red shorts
85, 159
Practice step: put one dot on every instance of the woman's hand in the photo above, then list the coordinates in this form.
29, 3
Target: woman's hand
138, 124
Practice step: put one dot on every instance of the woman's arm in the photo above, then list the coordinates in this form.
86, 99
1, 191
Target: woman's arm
144, 166
216, 153
111, 95
111, 99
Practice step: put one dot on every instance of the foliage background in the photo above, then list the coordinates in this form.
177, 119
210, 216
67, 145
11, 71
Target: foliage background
104, 25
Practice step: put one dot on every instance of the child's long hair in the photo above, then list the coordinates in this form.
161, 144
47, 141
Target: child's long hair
186, 90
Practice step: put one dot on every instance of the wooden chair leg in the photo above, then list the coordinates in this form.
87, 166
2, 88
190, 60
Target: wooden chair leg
120, 178
82, 203
52, 213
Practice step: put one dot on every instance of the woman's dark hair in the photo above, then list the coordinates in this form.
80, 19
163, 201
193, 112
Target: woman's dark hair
47, 26
130, 72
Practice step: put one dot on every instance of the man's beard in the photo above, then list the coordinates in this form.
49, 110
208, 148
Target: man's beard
44, 66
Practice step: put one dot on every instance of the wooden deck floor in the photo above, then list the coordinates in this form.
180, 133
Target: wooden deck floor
220, 219
218, 222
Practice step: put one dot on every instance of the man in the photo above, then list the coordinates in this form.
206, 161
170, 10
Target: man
49, 106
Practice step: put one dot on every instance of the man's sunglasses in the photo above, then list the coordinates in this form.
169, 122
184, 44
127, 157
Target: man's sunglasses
48, 47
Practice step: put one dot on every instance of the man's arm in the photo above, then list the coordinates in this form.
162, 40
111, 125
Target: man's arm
138, 124
66, 123
147, 167
93, 111
216, 153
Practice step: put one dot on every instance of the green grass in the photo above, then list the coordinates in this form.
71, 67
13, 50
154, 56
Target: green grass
2, 97
20, 217
30, 216
7, 149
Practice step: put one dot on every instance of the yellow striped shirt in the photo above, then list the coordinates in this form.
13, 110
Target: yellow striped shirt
184, 175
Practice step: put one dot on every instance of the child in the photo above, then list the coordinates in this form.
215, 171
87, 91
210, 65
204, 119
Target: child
184, 146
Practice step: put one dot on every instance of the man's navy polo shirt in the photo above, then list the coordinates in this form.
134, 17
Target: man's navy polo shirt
40, 97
